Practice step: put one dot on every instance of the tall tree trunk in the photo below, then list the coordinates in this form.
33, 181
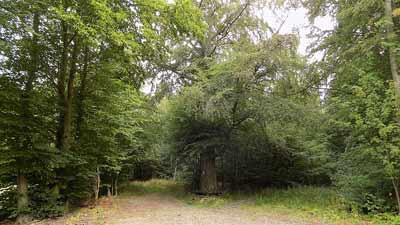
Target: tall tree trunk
82, 95
65, 84
22, 182
390, 36
208, 177
67, 109
62, 74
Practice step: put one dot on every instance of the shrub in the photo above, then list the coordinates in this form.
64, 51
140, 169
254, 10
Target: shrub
8, 202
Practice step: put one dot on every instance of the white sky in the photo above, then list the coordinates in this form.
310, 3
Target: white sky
297, 21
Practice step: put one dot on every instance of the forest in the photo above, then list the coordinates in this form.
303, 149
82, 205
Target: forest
96, 94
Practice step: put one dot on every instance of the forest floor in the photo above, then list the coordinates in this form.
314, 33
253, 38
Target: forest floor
161, 202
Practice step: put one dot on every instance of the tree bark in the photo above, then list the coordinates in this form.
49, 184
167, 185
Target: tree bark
22, 190
208, 177
175, 168
66, 86
396, 191
62, 74
116, 186
112, 186
235, 170
82, 95
97, 186
67, 110
223, 173
23, 200
109, 191
390, 36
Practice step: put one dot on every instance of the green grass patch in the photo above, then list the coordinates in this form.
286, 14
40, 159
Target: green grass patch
165, 187
207, 201
305, 201
312, 202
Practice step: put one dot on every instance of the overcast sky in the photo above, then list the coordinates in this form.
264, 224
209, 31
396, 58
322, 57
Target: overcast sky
297, 20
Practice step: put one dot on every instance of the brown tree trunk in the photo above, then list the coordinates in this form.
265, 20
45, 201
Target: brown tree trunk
175, 169
82, 95
109, 191
67, 109
116, 186
22, 200
61, 77
65, 84
390, 36
112, 186
208, 177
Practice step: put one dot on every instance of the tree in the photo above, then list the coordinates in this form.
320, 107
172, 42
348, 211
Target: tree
211, 118
360, 60
52, 52
227, 23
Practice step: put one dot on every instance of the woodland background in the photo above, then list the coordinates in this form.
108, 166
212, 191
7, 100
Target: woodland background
234, 106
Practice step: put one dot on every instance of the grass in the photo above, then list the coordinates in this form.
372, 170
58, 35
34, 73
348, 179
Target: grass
308, 202
165, 187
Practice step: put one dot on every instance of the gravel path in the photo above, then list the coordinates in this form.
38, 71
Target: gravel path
157, 209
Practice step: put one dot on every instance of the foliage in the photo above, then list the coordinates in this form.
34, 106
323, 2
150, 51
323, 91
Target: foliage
8, 202
367, 111
363, 130
72, 118
260, 138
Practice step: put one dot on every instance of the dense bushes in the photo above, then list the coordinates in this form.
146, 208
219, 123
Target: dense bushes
8, 202
368, 163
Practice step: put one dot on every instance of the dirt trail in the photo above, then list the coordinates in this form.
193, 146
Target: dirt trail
159, 209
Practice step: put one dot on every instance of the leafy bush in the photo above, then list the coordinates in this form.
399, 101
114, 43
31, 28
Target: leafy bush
368, 156
8, 202
44, 203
